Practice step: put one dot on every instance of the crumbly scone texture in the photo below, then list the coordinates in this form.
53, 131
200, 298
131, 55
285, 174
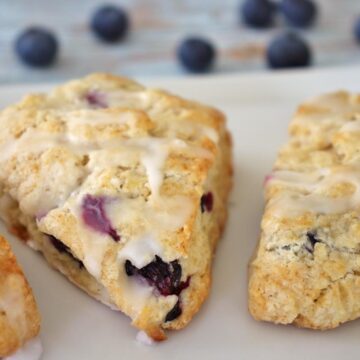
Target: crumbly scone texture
306, 269
19, 316
123, 189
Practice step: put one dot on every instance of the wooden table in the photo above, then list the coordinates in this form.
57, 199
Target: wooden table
157, 27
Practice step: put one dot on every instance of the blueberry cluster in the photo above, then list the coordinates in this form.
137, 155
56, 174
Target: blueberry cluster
38, 47
288, 49
263, 13
165, 278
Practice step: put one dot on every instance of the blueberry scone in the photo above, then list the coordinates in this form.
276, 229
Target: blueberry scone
306, 269
19, 317
123, 189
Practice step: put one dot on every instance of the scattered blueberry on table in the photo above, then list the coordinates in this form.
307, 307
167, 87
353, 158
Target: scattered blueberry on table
196, 54
37, 46
288, 50
299, 13
258, 13
110, 23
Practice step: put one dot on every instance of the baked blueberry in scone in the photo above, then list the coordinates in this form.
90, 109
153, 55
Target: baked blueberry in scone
306, 269
123, 189
19, 316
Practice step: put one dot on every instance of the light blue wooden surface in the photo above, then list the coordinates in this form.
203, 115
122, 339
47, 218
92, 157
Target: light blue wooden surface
157, 27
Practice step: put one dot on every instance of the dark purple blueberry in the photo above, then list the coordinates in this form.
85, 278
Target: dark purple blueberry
207, 202
196, 54
258, 13
300, 13
174, 313
96, 99
58, 245
62, 248
165, 277
110, 23
130, 269
288, 50
37, 47
312, 240
93, 214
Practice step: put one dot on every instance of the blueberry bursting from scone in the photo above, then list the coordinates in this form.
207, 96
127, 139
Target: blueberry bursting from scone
123, 189
306, 270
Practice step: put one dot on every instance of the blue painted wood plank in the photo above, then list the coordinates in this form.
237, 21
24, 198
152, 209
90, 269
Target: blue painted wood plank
157, 27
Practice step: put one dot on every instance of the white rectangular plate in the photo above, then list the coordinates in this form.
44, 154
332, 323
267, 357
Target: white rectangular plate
259, 108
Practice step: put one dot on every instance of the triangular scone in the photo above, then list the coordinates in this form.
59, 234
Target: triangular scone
123, 189
306, 269
19, 317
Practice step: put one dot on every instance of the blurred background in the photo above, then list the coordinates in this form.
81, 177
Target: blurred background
157, 27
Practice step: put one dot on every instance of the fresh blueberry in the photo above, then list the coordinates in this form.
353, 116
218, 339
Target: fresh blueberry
58, 245
258, 13
37, 47
288, 51
174, 313
165, 277
94, 215
357, 30
300, 13
130, 269
207, 202
110, 23
62, 248
196, 54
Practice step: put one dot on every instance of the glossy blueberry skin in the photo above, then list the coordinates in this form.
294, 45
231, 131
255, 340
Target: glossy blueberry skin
288, 51
110, 23
258, 13
196, 54
299, 13
357, 30
37, 47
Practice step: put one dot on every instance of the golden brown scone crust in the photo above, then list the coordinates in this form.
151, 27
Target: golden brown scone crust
307, 265
19, 316
148, 157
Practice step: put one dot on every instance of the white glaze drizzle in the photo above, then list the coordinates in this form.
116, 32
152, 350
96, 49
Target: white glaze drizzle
288, 202
94, 117
129, 99
33, 141
153, 152
143, 338
154, 161
141, 251
351, 126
